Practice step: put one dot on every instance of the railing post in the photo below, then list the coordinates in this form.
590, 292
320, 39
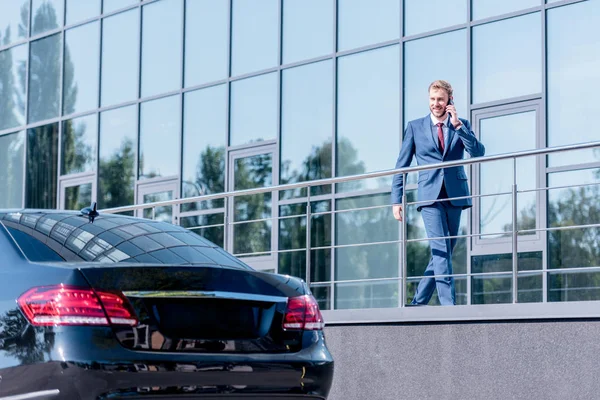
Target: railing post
515, 254
403, 277
153, 213
308, 228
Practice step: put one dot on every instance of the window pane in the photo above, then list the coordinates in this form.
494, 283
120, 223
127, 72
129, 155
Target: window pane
44, 78
573, 62
252, 172
574, 248
368, 114
418, 75
161, 47
78, 10
255, 33
14, 20
254, 109
496, 76
204, 139
364, 227
418, 17
307, 29
497, 176
42, 166
162, 213
382, 294
79, 140
485, 8
120, 57
82, 68
306, 142
47, 15
365, 22
118, 144
494, 289
12, 156
292, 235
13, 64
159, 119
206, 41
78, 197
112, 5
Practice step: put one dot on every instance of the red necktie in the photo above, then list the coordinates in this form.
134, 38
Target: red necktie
440, 137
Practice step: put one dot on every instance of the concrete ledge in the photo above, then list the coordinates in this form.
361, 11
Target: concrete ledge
488, 312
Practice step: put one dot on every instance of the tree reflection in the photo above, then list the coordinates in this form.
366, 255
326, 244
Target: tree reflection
116, 178
27, 344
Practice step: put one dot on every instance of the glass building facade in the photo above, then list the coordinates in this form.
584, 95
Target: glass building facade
128, 102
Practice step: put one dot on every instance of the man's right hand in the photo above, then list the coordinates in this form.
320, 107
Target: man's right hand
397, 210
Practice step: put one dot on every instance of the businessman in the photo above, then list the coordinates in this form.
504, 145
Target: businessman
439, 136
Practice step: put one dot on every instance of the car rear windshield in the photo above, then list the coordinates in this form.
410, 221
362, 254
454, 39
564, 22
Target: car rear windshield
56, 237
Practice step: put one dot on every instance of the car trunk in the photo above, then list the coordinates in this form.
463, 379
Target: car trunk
201, 308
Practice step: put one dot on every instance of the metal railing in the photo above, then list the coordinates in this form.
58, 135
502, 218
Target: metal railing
404, 241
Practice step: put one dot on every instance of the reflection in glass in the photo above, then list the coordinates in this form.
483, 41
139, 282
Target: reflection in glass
80, 83
573, 62
366, 22
46, 15
292, 235
254, 109
14, 20
206, 41
78, 10
204, 139
252, 172
307, 29
497, 176
323, 296
42, 166
497, 288
574, 248
418, 17
118, 144
79, 139
213, 233
12, 154
161, 47
112, 5
496, 76
306, 142
120, 57
380, 294
44, 78
484, 8
418, 75
364, 227
13, 64
162, 213
159, 137
368, 114
255, 35
78, 197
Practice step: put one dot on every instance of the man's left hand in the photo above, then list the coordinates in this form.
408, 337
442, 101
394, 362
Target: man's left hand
453, 116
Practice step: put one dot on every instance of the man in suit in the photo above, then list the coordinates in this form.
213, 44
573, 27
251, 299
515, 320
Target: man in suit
439, 136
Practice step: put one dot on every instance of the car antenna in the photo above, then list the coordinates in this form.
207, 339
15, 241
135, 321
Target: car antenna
90, 211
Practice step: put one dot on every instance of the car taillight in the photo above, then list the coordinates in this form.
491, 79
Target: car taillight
69, 305
303, 314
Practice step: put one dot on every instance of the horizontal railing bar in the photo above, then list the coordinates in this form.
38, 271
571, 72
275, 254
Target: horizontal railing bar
330, 181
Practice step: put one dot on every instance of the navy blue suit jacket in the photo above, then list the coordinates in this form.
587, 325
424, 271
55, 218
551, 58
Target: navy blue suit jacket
418, 141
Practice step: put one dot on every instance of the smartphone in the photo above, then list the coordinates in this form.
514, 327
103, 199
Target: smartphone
450, 103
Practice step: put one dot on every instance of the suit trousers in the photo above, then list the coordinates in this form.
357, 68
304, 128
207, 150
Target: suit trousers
441, 220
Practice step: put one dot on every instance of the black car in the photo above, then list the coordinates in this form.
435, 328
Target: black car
115, 307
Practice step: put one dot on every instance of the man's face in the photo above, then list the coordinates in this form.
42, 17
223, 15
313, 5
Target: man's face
438, 100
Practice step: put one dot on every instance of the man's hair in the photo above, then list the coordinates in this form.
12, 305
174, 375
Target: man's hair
440, 84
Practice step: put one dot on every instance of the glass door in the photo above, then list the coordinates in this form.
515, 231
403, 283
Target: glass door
154, 192
251, 230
